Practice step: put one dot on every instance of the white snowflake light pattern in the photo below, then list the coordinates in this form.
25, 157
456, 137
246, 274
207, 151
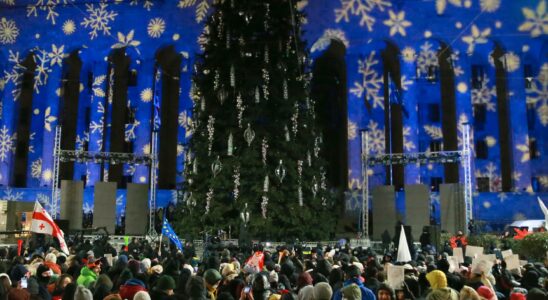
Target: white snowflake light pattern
535, 21
408, 54
484, 95
352, 130
47, 6
489, 5
185, 121
9, 195
434, 132
407, 144
97, 86
126, 40
537, 94
510, 60
156, 27
490, 171
48, 119
427, 58
6, 143
146, 95
371, 82
8, 31
477, 36
202, 7
56, 55
376, 138
69, 27
36, 168
325, 40
397, 23
362, 8
130, 131
98, 19
82, 140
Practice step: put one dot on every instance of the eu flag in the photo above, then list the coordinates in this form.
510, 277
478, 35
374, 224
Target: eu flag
168, 231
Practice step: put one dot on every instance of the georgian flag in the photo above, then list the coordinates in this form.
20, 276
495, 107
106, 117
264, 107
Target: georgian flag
43, 223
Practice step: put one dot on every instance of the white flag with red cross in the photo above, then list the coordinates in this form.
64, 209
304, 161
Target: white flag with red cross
43, 223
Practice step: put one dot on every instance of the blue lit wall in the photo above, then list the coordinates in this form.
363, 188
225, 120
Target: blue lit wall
470, 29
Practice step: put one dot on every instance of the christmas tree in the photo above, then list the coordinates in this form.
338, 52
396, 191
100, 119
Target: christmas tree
254, 162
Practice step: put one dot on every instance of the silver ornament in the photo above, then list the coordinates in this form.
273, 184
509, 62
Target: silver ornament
216, 167
249, 134
280, 171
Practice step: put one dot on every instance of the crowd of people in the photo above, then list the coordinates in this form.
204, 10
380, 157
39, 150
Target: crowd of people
142, 270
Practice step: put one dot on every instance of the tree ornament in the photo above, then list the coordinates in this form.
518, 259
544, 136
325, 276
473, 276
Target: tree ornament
249, 134
216, 167
210, 133
295, 120
230, 149
202, 104
309, 158
257, 95
300, 195
222, 95
195, 166
216, 80
264, 150
189, 199
266, 184
287, 136
280, 171
266, 82
267, 16
285, 90
266, 54
236, 177
209, 197
228, 39
232, 76
240, 107
264, 206
316, 147
315, 186
300, 168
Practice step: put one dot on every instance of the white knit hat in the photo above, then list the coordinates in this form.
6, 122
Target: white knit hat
141, 295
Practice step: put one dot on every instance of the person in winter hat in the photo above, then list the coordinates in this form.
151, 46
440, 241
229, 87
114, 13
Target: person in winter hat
468, 293
537, 294
517, 296
51, 263
352, 275
440, 291
352, 292
486, 293
306, 293
212, 278
83, 293
164, 288
195, 288
88, 274
131, 287
385, 292
142, 295
323, 291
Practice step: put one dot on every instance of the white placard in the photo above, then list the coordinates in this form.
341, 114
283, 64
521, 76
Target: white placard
108, 256
523, 262
512, 262
457, 252
489, 257
482, 265
395, 276
474, 251
507, 253
453, 263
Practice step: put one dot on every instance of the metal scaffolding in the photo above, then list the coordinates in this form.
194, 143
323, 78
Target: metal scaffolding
463, 156
81, 156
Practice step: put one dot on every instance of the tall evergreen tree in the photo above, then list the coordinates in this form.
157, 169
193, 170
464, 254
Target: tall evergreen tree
254, 160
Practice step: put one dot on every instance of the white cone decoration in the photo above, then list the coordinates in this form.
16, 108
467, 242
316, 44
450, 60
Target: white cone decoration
403, 249
544, 211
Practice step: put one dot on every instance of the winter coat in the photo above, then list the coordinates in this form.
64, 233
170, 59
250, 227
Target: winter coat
443, 294
367, 294
87, 277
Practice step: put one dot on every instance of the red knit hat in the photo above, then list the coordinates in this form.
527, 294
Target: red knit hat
486, 293
517, 296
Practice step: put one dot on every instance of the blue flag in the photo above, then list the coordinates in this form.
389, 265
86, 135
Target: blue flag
157, 100
168, 231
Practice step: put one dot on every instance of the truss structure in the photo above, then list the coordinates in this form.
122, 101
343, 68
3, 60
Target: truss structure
60, 155
463, 156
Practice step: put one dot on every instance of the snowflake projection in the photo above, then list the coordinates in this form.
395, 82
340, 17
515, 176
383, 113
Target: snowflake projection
47, 175
405, 82
146, 149
376, 138
489, 5
97, 86
537, 94
15, 75
97, 127
407, 144
524, 149
476, 37
352, 130
8, 31
56, 55
146, 95
371, 82
31, 138
536, 21
130, 131
427, 58
147, 4
185, 121
43, 68
362, 8
43, 199
48, 119
202, 8
325, 40
126, 41
490, 171
434, 132
463, 119
485, 94
543, 181
88, 208
130, 170
173, 198
8, 2
441, 5
502, 197
7, 143
397, 23
516, 176
156, 27
82, 140
408, 54
510, 60
10, 195
46, 6
36, 168
180, 150
69, 27
98, 19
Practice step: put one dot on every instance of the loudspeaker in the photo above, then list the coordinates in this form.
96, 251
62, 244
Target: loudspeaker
72, 199
417, 207
136, 209
64, 225
384, 210
104, 209
453, 210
